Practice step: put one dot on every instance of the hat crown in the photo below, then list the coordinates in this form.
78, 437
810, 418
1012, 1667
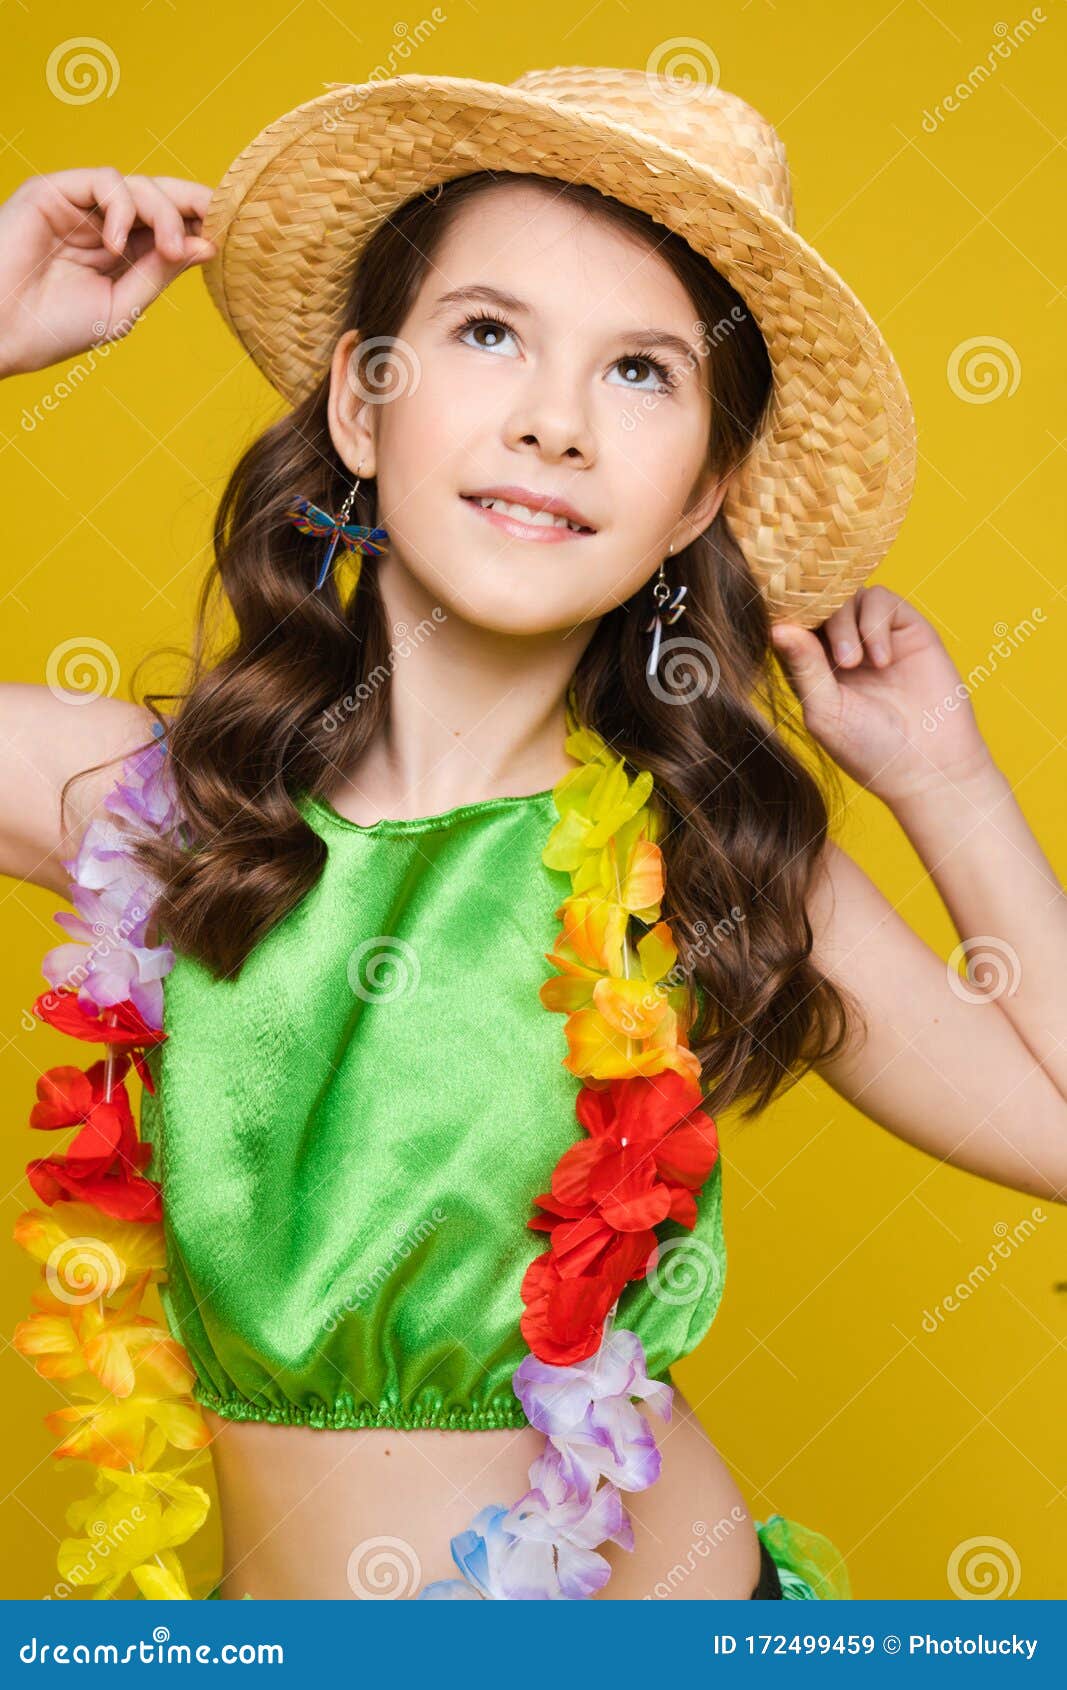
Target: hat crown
712, 127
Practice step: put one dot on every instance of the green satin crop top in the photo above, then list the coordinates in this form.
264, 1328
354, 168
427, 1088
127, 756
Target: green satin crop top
350, 1133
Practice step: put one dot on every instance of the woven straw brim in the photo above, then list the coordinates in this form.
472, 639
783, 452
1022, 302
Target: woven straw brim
821, 496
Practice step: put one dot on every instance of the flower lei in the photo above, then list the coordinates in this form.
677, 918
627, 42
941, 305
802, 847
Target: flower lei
649, 1148
100, 1238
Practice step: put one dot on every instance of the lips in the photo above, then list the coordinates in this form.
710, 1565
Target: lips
544, 531
511, 495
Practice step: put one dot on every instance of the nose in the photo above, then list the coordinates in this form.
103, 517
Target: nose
551, 417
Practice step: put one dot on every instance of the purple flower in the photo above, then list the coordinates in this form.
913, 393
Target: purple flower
542, 1549
558, 1532
113, 898
145, 794
586, 1413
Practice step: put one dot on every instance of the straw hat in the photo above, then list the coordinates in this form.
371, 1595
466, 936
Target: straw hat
820, 498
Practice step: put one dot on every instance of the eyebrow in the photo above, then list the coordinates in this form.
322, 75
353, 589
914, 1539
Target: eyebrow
481, 294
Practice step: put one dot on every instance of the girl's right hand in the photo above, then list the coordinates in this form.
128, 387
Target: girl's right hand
84, 252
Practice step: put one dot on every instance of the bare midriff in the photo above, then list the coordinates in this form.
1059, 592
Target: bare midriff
368, 1513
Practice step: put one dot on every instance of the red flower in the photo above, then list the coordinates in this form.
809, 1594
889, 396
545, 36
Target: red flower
649, 1135
564, 1318
120, 1024
102, 1161
584, 1245
650, 1149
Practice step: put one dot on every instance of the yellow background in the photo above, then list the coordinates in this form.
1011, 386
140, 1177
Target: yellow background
817, 1382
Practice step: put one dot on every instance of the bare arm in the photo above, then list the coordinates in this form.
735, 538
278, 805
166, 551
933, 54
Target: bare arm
942, 1067
964, 1068
43, 740
83, 253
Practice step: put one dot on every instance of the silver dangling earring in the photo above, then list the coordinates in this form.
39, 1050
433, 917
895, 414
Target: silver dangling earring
667, 611
337, 530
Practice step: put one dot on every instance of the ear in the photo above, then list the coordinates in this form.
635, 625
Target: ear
705, 499
352, 419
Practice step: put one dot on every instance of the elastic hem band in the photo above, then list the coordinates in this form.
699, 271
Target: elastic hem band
346, 1415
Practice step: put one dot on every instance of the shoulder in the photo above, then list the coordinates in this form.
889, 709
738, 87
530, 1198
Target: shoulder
45, 738
843, 904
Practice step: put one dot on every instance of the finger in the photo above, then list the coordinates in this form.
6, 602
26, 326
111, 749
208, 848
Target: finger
876, 613
103, 188
805, 663
842, 634
158, 212
191, 198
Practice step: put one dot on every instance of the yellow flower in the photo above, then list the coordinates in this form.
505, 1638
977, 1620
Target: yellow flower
617, 1025
622, 1019
93, 1339
596, 802
126, 1247
112, 1432
128, 1520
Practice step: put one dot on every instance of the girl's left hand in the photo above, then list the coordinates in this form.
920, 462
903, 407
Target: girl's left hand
891, 710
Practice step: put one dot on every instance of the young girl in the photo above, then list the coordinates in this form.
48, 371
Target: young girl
474, 877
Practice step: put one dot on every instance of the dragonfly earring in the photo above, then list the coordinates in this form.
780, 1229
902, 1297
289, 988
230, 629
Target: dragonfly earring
668, 609
336, 530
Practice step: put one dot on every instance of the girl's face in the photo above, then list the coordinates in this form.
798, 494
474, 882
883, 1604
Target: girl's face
567, 389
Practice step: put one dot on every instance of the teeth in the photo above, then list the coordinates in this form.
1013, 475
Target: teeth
539, 519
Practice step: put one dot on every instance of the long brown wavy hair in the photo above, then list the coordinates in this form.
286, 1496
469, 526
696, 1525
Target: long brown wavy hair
743, 821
